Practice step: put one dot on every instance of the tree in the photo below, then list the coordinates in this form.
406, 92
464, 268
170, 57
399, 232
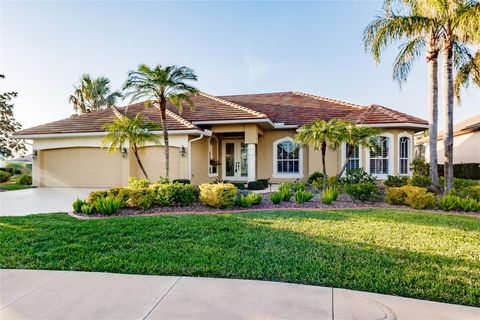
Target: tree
468, 71
135, 132
8, 126
158, 85
93, 94
322, 134
417, 32
357, 136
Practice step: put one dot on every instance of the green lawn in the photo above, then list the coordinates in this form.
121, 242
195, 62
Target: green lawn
413, 254
13, 184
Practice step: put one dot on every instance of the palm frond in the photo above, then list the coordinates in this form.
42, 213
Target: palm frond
409, 51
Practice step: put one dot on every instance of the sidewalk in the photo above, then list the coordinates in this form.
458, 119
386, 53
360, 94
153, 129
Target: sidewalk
30, 294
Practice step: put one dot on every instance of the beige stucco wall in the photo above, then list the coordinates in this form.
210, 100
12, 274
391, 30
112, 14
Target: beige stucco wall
199, 162
466, 148
153, 160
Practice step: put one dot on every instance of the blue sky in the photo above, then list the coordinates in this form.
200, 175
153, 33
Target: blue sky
235, 47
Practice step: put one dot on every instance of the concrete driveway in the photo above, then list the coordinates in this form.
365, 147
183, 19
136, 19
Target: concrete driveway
40, 200
29, 294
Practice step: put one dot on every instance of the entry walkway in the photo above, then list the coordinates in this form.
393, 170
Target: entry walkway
29, 294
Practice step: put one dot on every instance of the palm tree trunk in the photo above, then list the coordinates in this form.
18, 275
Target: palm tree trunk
163, 116
140, 164
448, 114
432, 61
349, 155
324, 151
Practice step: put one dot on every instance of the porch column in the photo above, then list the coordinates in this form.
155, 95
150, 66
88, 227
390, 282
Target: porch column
251, 162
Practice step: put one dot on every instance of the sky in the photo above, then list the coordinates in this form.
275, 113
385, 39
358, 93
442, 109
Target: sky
234, 47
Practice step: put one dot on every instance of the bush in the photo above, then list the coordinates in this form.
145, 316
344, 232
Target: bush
11, 171
77, 205
120, 193
182, 181
472, 192
468, 204
315, 176
397, 181
318, 184
464, 183
448, 202
239, 185
255, 185
17, 171
463, 170
249, 200
220, 195
184, 194
4, 176
419, 167
276, 197
302, 196
163, 180
107, 205
94, 195
138, 183
163, 194
265, 182
285, 191
25, 180
419, 198
421, 181
141, 198
329, 195
356, 176
396, 195
87, 208
364, 191
298, 186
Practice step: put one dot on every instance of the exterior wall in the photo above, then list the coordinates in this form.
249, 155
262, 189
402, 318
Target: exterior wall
199, 162
153, 160
466, 148
332, 161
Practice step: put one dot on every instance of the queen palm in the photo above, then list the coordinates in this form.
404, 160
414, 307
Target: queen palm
468, 71
322, 134
93, 94
133, 132
157, 86
418, 33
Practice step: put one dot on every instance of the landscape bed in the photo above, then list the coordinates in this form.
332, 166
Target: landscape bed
407, 253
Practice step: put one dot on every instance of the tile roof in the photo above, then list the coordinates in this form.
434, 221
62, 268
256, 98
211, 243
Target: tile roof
289, 108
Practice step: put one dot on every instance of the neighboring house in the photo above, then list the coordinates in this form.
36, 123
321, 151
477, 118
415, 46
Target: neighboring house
466, 142
237, 138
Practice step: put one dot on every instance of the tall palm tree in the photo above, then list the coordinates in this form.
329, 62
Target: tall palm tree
468, 71
135, 132
157, 86
418, 33
93, 94
357, 136
322, 134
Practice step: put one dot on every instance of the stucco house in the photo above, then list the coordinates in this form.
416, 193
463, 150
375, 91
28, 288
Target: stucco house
237, 138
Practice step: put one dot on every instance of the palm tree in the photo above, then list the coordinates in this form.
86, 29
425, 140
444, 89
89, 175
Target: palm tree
322, 134
158, 85
467, 71
419, 33
357, 136
93, 94
135, 132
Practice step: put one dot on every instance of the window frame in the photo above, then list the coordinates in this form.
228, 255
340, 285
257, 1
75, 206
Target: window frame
295, 175
390, 157
410, 150
212, 175
344, 156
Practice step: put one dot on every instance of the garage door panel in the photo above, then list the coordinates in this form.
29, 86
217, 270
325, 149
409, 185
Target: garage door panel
80, 167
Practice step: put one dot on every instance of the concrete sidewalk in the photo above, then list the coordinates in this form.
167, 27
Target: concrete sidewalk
29, 294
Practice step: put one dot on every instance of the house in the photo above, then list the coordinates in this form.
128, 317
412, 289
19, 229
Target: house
466, 142
237, 138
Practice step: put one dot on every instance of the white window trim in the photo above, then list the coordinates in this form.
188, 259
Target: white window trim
212, 175
276, 174
344, 156
391, 160
410, 151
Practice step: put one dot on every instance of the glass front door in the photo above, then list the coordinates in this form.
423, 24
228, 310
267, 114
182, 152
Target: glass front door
235, 161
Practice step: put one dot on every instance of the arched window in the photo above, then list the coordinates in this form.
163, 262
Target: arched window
403, 154
380, 158
287, 159
354, 161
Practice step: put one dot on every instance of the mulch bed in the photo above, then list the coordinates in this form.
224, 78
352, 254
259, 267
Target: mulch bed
343, 202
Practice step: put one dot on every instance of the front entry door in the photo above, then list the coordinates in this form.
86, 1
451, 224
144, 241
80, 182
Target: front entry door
235, 165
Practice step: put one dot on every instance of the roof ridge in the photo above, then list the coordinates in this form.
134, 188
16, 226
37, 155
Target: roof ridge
232, 104
180, 119
400, 116
327, 99
254, 94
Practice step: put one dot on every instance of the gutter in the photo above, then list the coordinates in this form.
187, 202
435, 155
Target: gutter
207, 133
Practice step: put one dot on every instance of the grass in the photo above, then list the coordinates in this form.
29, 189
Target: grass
413, 254
14, 184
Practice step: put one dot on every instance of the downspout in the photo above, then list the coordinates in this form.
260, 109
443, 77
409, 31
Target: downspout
190, 154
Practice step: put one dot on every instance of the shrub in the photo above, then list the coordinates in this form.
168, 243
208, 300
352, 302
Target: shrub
468, 204
77, 205
249, 200
419, 167
138, 183
421, 181
17, 171
107, 205
396, 181
276, 197
464, 183
25, 180
11, 171
285, 191
463, 170
220, 195
4, 176
163, 180
120, 193
302, 196
298, 186
239, 185
94, 195
182, 181
364, 191
471, 192
396, 195
141, 198
419, 198
265, 182
183, 194
315, 176
329, 195
87, 208
448, 202
318, 184
255, 185
358, 175
163, 194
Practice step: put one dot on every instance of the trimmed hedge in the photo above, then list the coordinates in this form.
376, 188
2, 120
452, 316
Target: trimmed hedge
463, 170
218, 195
4, 176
